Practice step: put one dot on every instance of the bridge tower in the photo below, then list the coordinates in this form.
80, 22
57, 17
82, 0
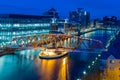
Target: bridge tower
54, 25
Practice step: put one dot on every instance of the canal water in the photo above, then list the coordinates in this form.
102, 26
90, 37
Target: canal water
26, 65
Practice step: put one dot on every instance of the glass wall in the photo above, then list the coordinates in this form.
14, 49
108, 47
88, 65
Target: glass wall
11, 28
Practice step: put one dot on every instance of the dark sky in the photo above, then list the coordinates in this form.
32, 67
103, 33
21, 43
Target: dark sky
97, 8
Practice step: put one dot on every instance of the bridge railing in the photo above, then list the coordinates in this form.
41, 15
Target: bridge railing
56, 41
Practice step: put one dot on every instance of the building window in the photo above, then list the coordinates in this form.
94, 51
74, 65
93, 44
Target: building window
111, 68
112, 61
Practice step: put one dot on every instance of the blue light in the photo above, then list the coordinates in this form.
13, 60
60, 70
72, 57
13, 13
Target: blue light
85, 13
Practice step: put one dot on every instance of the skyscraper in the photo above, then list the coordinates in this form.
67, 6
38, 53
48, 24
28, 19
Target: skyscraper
80, 16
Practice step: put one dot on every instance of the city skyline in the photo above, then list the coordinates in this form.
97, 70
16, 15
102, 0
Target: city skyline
59, 40
97, 9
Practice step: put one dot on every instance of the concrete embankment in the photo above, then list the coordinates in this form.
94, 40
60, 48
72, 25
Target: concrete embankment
7, 51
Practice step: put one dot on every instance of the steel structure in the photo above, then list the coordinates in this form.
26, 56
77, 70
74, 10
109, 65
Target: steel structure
56, 41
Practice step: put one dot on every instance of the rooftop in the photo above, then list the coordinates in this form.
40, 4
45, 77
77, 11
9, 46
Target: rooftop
23, 16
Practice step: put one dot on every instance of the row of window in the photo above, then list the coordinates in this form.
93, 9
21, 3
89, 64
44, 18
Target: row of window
112, 68
113, 61
24, 25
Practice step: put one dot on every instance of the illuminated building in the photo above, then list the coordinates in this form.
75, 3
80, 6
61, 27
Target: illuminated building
111, 68
98, 23
80, 16
110, 21
16, 25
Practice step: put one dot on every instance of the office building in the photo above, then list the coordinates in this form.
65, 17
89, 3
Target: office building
80, 16
16, 25
110, 21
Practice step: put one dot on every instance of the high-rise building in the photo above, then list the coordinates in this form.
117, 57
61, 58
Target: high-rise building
80, 16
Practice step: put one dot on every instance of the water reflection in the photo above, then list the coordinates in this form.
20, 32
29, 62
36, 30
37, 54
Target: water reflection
101, 35
52, 69
26, 65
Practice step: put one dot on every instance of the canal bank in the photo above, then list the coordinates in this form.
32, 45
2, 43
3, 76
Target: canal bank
109, 62
26, 64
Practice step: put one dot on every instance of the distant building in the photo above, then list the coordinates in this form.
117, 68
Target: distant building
80, 16
110, 21
52, 13
118, 22
98, 22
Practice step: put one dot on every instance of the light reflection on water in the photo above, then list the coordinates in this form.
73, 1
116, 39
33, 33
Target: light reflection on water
26, 65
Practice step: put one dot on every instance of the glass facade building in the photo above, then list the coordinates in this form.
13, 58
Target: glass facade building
81, 17
14, 25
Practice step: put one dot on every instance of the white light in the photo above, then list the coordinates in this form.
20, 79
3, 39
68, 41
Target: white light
53, 20
84, 72
16, 25
66, 20
93, 62
14, 33
8, 25
88, 66
36, 24
99, 55
0, 25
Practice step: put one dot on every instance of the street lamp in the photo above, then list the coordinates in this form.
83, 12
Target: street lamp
88, 66
84, 72
99, 55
